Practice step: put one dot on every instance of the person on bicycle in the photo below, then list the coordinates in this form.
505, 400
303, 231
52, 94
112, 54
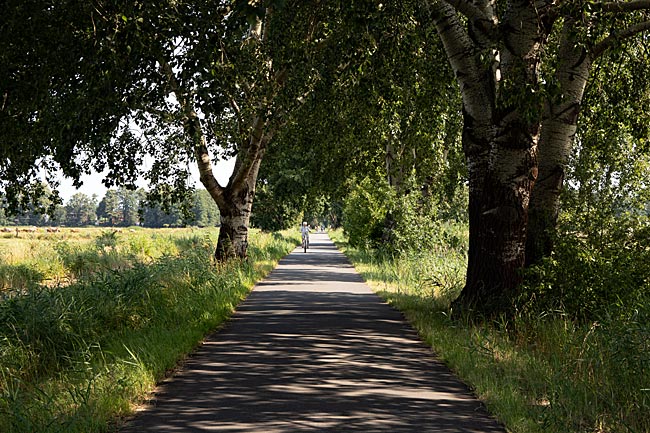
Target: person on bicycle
305, 232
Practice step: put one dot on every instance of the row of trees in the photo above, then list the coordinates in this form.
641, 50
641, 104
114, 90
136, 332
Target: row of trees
426, 95
119, 207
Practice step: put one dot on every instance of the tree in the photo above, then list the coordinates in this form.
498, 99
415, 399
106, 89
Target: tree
33, 212
264, 74
610, 138
130, 205
374, 120
205, 213
180, 81
610, 160
109, 210
81, 210
522, 68
154, 216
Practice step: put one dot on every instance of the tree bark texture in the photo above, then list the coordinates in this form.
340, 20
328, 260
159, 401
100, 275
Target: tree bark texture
235, 216
558, 131
517, 139
501, 125
235, 200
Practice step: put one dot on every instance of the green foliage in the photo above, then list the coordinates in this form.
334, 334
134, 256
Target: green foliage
205, 211
153, 215
119, 207
364, 212
599, 267
81, 210
392, 88
376, 216
587, 278
413, 224
274, 210
544, 372
76, 357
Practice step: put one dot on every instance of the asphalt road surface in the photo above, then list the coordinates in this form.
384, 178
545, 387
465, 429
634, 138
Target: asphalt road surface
312, 349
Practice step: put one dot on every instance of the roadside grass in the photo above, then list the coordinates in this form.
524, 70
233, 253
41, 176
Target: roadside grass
542, 373
79, 355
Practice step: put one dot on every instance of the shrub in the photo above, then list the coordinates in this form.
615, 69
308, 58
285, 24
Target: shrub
376, 216
364, 212
590, 278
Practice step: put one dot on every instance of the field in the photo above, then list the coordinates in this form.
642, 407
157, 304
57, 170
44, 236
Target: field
32, 255
90, 320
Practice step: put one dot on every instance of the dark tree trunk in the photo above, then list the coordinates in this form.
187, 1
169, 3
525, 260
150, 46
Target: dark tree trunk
501, 182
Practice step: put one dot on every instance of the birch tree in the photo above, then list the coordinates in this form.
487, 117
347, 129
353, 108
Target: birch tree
522, 67
235, 83
111, 85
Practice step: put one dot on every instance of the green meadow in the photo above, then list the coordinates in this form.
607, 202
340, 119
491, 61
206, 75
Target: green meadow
91, 319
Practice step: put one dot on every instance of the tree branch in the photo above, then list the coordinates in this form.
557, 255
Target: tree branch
247, 157
619, 6
461, 53
616, 37
476, 16
468, 9
194, 129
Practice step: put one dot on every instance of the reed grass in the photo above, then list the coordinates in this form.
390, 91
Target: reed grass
541, 373
79, 355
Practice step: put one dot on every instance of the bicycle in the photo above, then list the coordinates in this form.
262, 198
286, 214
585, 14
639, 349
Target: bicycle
305, 241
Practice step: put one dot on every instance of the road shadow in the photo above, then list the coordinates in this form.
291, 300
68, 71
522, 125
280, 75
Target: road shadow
302, 358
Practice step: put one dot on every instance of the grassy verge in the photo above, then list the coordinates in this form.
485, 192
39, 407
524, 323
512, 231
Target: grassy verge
546, 373
77, 355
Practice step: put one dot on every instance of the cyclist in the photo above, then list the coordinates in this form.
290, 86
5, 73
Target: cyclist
305, 234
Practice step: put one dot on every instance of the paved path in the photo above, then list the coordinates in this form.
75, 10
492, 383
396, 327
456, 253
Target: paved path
312, 349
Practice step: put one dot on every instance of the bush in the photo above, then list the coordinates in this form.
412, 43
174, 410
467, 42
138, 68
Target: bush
412, 225
588, 278
375, 216
364, 212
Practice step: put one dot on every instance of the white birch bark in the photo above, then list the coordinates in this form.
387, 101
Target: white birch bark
496, 74
235, 200
506, 129
558, 131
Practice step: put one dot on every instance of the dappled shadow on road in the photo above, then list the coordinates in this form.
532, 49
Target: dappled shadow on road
296, 360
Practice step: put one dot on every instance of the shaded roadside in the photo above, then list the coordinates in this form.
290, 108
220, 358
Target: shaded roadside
312, 349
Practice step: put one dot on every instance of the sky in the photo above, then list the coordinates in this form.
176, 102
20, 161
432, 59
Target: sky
92, 184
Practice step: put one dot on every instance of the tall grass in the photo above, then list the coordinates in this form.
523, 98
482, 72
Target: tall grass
75, 357
546, 372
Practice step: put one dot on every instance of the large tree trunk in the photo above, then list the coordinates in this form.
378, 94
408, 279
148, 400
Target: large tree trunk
558, 130
233, 233
235, 216
500, 134
476, 138
478, 131
498, 225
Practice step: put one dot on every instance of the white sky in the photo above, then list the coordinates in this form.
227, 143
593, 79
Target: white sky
92, 184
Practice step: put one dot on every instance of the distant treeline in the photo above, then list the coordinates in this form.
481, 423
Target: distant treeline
119, 208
